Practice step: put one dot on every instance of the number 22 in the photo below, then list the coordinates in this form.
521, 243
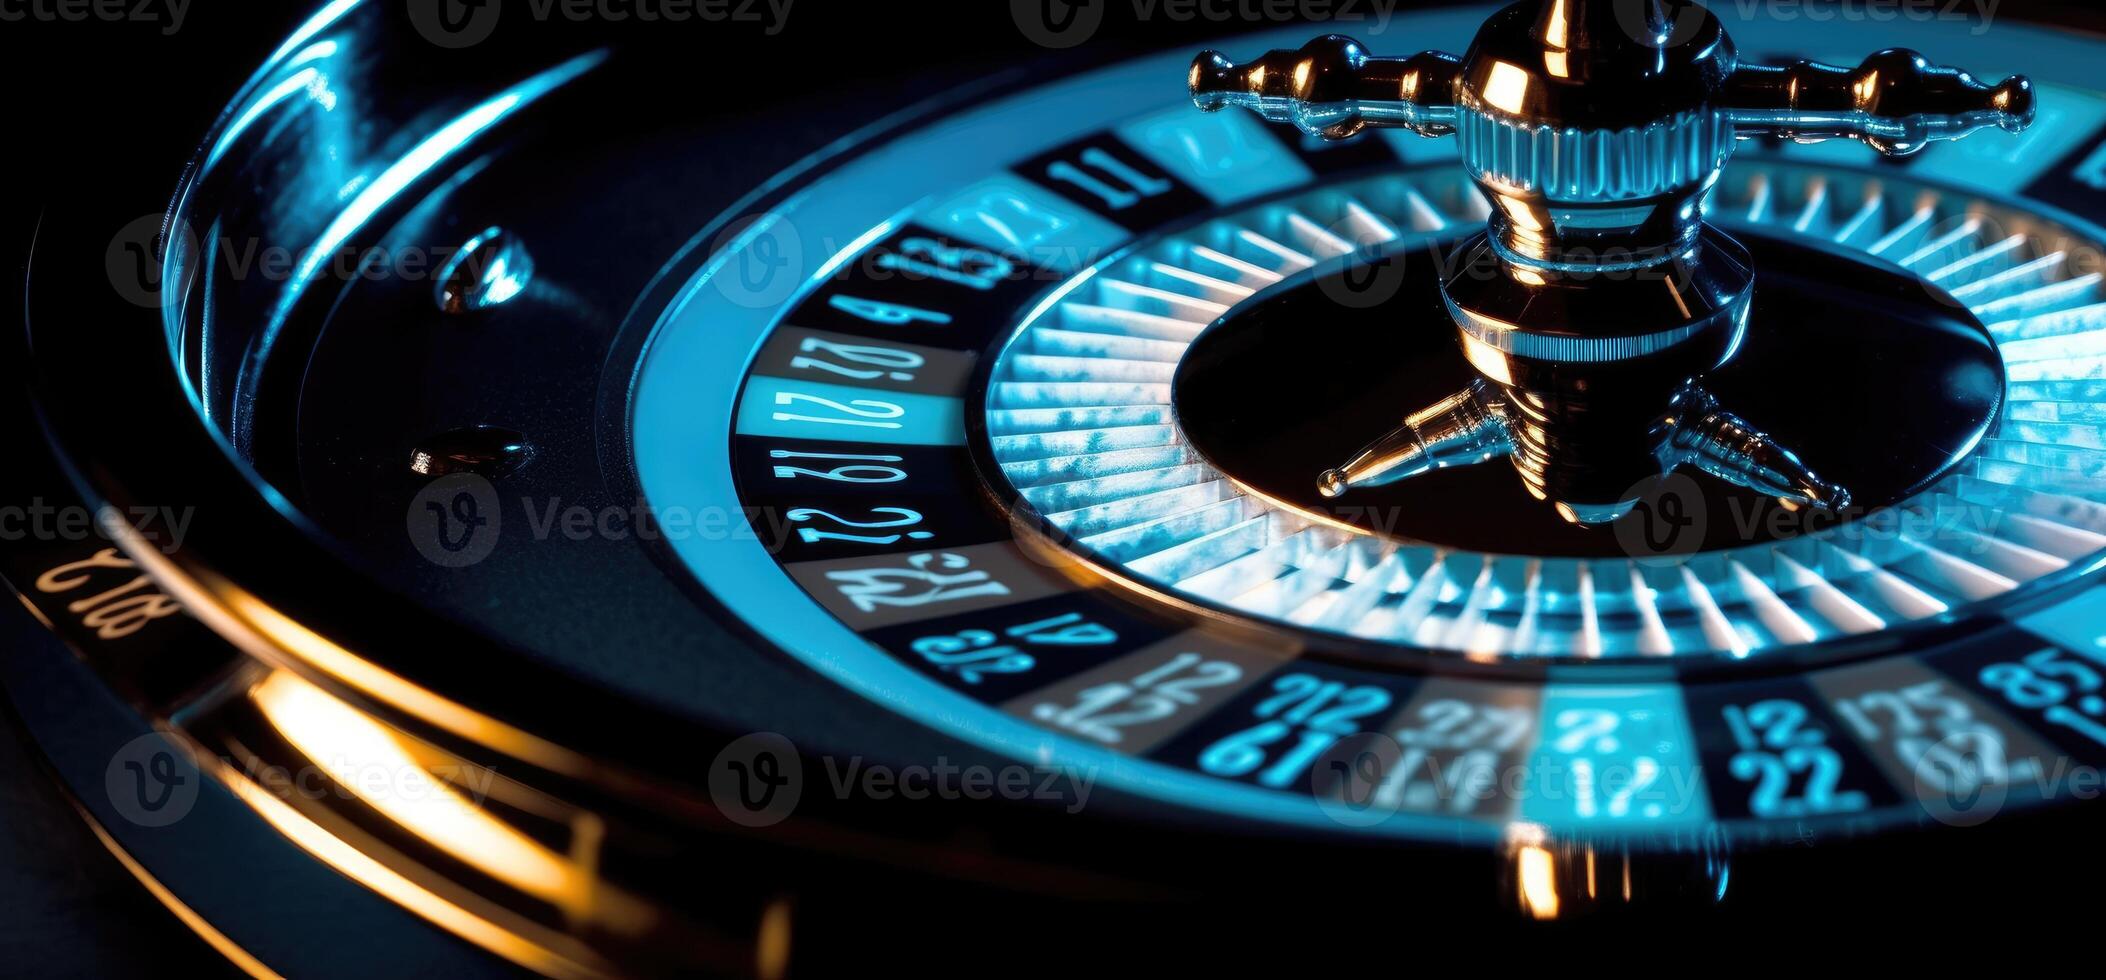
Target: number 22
903, 518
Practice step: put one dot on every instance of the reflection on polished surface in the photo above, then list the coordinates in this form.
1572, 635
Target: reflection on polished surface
1905, 386
1598, 299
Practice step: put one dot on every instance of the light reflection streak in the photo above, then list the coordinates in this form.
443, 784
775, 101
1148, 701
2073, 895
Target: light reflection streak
382, 189
366, 870
329, 732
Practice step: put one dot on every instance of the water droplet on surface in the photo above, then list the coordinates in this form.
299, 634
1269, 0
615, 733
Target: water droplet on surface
485, 450
487, 270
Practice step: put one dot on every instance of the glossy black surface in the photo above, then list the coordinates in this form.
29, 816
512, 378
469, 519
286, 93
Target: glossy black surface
1884, 379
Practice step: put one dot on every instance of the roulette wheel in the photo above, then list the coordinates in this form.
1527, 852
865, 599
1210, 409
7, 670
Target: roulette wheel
531, 504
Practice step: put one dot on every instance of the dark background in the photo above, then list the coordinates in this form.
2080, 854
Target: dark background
116, 109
